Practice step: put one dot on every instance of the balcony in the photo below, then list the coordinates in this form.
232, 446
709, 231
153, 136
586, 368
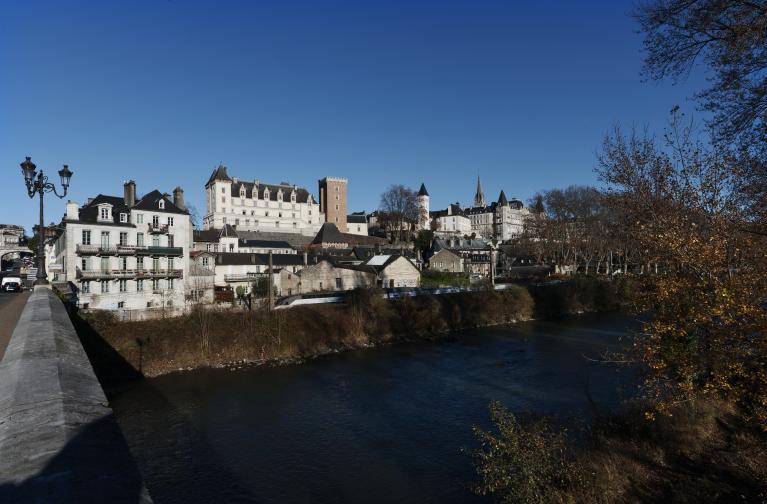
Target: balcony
245, 277
128, 273
130, 249
157, 228
109, 249
165, 251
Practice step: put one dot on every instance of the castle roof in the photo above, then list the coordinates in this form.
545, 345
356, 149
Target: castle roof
422, 191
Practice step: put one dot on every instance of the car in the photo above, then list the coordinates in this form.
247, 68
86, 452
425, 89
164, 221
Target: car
12, 287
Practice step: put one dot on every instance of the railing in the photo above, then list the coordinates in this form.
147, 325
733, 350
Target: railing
168, 251
129, 273
110, 249
246, 277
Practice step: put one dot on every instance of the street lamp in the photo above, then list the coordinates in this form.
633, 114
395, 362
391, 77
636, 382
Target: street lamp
40, 186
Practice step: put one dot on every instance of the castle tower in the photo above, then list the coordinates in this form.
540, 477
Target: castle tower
423, 208
479, 198
333, 201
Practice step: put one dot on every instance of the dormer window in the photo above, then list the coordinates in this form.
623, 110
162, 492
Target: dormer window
161, 204
279, 195
255, 192
123, 217
293, 197
242, 192
105, 212
266, 194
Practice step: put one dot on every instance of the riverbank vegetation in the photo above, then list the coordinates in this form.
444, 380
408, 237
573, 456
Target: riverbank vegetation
211, 337
691, 210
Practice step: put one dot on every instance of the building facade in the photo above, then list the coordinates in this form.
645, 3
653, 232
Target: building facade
357, 223
126, 253
333, 201
258, 206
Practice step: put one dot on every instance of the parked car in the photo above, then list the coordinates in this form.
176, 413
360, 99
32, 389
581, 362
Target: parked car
10, 280
12, 287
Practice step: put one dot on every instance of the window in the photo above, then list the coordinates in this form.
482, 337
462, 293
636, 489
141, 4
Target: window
85, 287
105, 239
170, 240
279, 196
161, 204
123, 217
155, 220
84, 263
86, 237
139, 263
293, 197
267, 213
205, 261
155, 284
170, 283
123, 284
223, 191
121, 304
155, 241
139, 285
320, 285
231, 247
391, 283
156, 264
244, 212
280, 215
123, 263
208, 246
104, 286
104, 264
277, 224
236, 222
103, 213
224, 220
139, 218
140, 239
170, 263
242, 192
170, 221
338, 283
123, 238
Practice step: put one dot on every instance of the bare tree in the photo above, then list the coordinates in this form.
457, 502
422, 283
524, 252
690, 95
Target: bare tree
399, 211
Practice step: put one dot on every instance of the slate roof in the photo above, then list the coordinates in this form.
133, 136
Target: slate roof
265, 244
357, 218
329, 233
455, 209
380, 262
295, 240
239, 259
213, 235
89, 212
251, 189
150, 202
218, 174
422, 191
502, 199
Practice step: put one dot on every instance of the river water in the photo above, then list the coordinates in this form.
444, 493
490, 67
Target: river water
378, 425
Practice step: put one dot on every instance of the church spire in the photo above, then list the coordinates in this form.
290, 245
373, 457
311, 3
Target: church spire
479, 198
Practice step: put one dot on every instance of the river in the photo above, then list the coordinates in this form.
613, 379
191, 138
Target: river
378, 425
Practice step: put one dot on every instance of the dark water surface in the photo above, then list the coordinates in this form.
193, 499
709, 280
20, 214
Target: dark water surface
380, 425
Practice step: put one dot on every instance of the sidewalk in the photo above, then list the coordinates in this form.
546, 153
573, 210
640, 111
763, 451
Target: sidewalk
11, 306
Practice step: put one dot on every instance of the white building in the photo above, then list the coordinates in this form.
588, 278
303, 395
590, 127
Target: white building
423, 208
126, 253
500, 220
258, 206
357, 223
451, 222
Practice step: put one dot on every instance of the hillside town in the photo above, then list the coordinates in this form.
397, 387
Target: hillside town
141, 255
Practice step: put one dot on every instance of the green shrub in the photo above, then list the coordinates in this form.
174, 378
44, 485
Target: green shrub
524, 463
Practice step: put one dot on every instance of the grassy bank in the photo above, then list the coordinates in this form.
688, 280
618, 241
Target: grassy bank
205, 337
706, 451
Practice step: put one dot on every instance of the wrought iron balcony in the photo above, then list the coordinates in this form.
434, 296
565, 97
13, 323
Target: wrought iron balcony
243, 277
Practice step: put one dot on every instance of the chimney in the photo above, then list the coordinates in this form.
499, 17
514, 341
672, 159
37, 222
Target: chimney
178, 198
73, 211
129, 193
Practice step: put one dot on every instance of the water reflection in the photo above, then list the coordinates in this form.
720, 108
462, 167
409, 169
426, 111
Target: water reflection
383, 425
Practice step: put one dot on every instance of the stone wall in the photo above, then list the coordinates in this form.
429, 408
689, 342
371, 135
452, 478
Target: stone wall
59, 441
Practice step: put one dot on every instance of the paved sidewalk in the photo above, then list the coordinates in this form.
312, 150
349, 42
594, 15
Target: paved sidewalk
11, 306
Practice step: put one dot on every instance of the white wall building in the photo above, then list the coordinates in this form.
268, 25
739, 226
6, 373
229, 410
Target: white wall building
357, 223
258, 206
451, 222
124, 253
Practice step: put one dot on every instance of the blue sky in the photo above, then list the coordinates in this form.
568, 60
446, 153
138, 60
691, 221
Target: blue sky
518, 92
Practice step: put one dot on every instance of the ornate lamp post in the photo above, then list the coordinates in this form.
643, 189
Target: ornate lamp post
38, 183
